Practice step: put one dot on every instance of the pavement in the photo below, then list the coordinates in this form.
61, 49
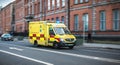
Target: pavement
110, 46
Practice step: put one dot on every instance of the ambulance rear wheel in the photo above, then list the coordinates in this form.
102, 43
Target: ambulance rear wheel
55, 46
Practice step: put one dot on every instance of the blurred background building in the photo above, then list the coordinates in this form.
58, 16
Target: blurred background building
99, 17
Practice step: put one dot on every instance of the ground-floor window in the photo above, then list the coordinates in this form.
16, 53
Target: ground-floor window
85, 22
102, 21
116, 19
76, 22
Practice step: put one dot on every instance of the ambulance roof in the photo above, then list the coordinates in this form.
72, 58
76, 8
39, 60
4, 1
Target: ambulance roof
57, 25
49, 23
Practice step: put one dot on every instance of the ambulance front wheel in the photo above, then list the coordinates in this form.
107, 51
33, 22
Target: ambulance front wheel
56, 46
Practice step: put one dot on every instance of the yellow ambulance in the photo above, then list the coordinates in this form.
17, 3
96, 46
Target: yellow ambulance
50, 34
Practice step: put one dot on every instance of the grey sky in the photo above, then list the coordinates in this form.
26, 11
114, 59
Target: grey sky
5, 2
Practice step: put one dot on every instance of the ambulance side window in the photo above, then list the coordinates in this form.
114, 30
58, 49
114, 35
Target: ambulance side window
51, 32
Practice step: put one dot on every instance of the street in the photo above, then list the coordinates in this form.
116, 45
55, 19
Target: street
24, 53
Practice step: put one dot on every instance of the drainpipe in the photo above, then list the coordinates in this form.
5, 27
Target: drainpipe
44, 10
32, 7
68, 13
41, 13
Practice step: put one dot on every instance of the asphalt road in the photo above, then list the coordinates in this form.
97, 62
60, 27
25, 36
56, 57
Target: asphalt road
24, 53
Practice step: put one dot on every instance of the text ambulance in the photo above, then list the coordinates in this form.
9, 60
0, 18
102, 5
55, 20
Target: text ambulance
50, 34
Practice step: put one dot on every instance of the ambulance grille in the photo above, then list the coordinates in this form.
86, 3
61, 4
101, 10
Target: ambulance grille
70, 39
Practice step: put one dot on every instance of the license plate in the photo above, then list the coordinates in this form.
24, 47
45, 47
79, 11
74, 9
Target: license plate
70, 44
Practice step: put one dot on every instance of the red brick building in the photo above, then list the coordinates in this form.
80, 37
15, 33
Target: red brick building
100, 17
19, 16
24, 9
0, 21
6, 18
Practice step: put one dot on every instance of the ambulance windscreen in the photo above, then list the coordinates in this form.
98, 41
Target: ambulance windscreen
61, 30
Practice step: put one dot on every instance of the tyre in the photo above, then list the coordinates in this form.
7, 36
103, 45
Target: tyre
2, 39
36, 43
12, 40
56, 46
71, 47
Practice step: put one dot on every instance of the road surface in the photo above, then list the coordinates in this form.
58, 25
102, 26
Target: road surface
24, 53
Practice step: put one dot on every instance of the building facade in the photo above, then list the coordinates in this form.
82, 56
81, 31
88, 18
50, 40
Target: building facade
19, 16
0, 21
6, 18
99, 17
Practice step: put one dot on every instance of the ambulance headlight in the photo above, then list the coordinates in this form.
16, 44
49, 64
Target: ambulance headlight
61, 39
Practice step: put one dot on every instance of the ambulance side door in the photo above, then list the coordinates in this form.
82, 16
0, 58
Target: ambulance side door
51, 35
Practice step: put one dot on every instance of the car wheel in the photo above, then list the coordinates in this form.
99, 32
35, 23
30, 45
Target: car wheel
2, 39
12, 40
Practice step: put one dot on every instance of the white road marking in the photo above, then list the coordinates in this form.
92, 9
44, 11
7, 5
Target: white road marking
24, 57
14, 48
72, 54
79, 55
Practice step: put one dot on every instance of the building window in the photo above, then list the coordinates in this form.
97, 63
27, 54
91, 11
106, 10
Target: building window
33, 0
48, 4
57, 19
76, 23
75, 1
48, 19
102, 20
116, 19
52, 19
81, 1
58, 3
53, 4
63, 3
63, 19
86, 0
85, 19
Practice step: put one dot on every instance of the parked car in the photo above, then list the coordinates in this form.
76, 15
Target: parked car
6, 37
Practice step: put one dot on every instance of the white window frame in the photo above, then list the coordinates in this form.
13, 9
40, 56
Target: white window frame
86, 0
58, 3
81, 1
102, 20
33, 0
53, 4
116, 19
75, 1
76, 22
48, 4
63, 3
85, 19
